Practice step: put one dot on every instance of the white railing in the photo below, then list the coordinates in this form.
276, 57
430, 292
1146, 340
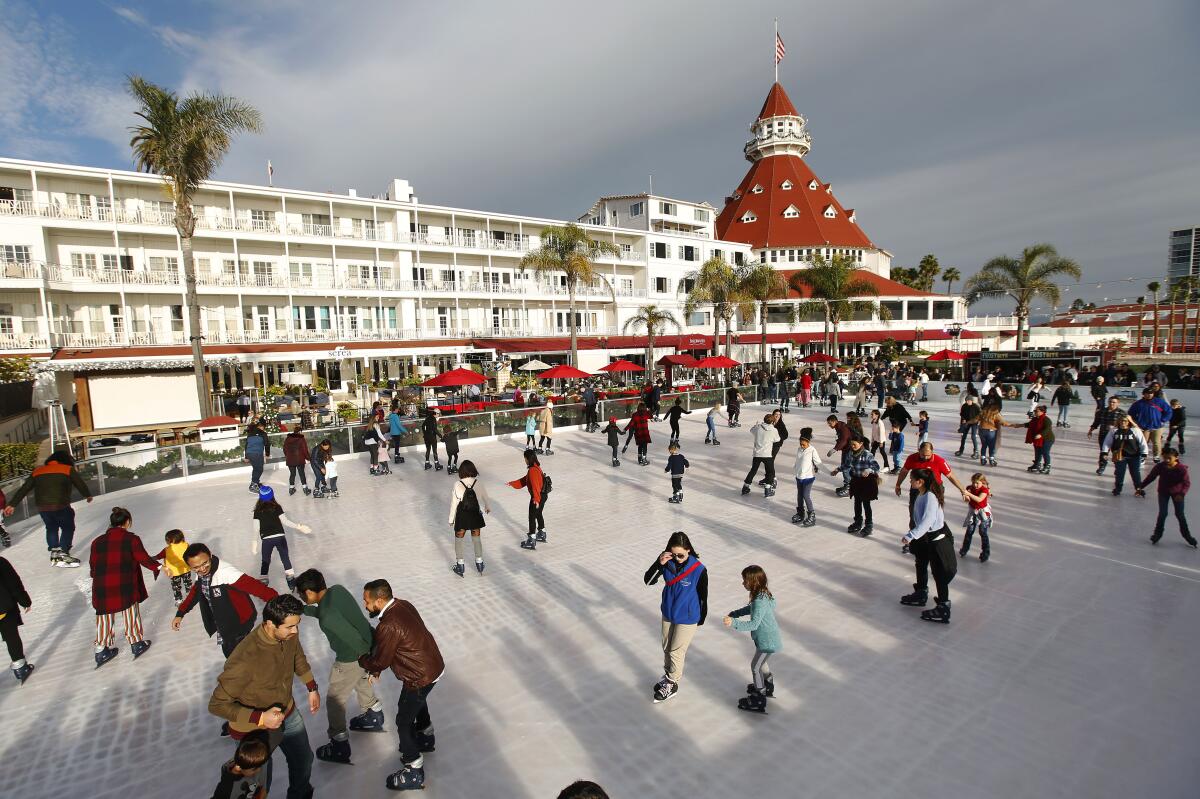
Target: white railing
22, 270
991, 321
23, 341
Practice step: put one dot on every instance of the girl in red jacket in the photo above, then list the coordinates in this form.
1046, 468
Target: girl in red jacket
1040, 433
535, 481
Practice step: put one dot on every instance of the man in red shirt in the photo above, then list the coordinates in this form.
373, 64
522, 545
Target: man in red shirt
924, 458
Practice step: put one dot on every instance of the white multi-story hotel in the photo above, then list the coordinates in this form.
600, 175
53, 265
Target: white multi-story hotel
347, 287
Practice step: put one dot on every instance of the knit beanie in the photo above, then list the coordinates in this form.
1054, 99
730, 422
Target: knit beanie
265, 493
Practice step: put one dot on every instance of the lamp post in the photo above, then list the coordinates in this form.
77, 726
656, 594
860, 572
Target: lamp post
917, 334
955, 330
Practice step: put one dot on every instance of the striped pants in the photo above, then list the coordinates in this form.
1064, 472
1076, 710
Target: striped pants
106, 626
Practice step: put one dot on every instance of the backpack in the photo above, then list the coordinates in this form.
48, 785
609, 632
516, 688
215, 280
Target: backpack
547, 483
469, 502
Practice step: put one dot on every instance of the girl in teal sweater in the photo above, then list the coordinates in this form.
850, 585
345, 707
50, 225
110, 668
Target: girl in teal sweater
764, 631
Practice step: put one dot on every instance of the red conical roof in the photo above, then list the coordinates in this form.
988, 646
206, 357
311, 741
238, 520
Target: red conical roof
778, 104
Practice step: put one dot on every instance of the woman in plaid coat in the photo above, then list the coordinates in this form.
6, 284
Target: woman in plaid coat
117, 587
639, 423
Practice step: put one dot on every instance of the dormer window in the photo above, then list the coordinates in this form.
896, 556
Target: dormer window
786, 185
737, 195
813, 185
830, 212
749, 217
790, 212
850, 214
757, 189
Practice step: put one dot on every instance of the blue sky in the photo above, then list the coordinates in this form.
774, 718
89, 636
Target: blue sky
963, 128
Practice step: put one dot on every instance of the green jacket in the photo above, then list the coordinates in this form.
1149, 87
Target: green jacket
343, 622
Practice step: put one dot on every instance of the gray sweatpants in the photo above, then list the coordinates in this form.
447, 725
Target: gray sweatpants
759, 669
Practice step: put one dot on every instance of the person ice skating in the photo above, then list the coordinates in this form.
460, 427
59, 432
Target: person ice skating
653, 400
780, 428
172, 557
1129, 448
242, 777
14, 598
860, 397
51, 485
841, 450
1062, 398
243, 406
808, 465
396, 431
613, 431
931, 543
684, 606
5, 538
222, 591
763, 435
990, 424
864, 484
1176, 425
968, 425
535, 482
269, 521
673, 414
922, 427
733, 403
403, 644
429, 434
1151, 414
896, 414
924, 458
450, 436
710, 437
590, 419
979, 516
806, 382
877, 430
764, 632
1105, 419
676, 465
1173, 485
373, 438
833, 389
468, 502
1034, 396
1099, 391
545, 423
896, 446
639, 427
531, 430
117, 558
296, 456
349, 635
257, 450
1040, 434
254, 691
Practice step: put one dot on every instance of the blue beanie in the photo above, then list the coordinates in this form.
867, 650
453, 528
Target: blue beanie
265, 493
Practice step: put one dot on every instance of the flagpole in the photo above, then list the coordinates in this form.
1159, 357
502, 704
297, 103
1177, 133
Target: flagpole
775, 49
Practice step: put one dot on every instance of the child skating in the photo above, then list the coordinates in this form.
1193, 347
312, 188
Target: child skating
172, 557
673, 414
324, 471
864, 485
676, 465
1173, 485
531, 426
879, 438
922, 427
979, 517
450, 438
613, 431
429, 434
269, 521
808, 465
711, 420
896, 446
764, 631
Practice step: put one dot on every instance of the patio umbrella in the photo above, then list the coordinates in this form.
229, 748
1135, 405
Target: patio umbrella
455, 377
946, 355
533, 366
622, 366
717, 362
818, 357
563, 371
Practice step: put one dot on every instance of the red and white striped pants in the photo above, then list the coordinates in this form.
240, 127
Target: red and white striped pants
106, 626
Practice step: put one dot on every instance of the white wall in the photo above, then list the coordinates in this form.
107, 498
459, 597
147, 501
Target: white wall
143, 400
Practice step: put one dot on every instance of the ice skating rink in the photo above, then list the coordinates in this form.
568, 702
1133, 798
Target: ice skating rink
1068, 670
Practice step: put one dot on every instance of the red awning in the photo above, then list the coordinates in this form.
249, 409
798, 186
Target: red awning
679, 359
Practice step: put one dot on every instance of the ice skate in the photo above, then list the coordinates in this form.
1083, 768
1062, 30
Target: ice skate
318, 493
866, 531
291, 490
5, 538
253, 488
335, 752
367, 721
958, 453
397, 459
459, 569
716, 443
665, 690
798, 518
139, 648
528, 543
811, 521
1045, 470
844, 491
22, 674
707, 440
437, 465
855, 526
541, 536
428, 465
673, 499
754, 703
406, 779
939, 613
984, 555
769, 490
105, 655
768, 687
992, 462
479, 566
307, 491
745, 489
917, 598
549, 451
616, 462
291, 582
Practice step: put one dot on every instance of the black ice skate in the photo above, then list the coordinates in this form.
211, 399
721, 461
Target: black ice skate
406, 779
716, 443
769, 490
665, 690
541, 536
745, 489
437, 465
867, 530
855, 526
811, 521
939, 613
479, 566
917, 598
459, 569
768, 687
22, 674
798, 517
139, 648
5, 538
754, 703
335, 752
105, 655
367, 721
616, 462
428, 465
528, 543
425, 741
291, 490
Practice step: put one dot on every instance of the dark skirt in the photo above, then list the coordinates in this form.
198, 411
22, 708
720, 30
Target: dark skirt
468, 520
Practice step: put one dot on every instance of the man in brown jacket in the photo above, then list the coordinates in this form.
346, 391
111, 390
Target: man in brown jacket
254, 690
403, 644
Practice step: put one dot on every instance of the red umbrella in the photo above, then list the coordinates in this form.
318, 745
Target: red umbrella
946, 355
818, 357
717, 362
564, 371
455, 377
622, 366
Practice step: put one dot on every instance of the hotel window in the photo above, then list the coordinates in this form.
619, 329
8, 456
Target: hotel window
626, 286
749, 217
830, 213
720, 254
14, 253
176, 318
701, 215
658, 249
774, 256
83, 260
369, 229
813, 184
626, 250
466, 236
790, 212
595, 220
698, 319
259, 217
667, 209
637, 209
662, 285
739, 258
11, 194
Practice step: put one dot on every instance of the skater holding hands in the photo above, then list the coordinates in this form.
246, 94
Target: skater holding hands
172, 557
613, 431
117, 586
764, 631
979, 517
684, 606
269, 521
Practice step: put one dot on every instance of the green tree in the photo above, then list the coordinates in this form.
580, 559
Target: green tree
715, 284
16, 369
1153, 287
568, 250
1141, 300
951, 276
839, 285
759, 285
1023, 280
183, 141
653, 320
1078, 304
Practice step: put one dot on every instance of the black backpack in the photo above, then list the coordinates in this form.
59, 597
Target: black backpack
547, 483
469, 502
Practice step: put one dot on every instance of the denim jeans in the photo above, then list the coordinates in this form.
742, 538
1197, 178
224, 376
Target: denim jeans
1041, 454
412, 716
1165, 501
982, 523
712, 428
804, 503
292, 738
1134, 465
971, 430
256, 467
1062, 413
987, 443
60, 528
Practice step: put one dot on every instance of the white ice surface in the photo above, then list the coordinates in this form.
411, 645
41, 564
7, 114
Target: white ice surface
1067, 672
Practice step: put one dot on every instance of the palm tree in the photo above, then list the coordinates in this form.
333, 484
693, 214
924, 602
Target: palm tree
715, 283
951, 276
758, 285
1023, 279
183, 141
837, 284
1153, 287
1172, 297
1141, 300
569, 250
654, 320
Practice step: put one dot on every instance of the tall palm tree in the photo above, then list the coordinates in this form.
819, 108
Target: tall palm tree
569, 250
183, 141
715, 283
654, 320
759, 285
1023, 279
1141, 300
1153, 286
838, 284
951, 276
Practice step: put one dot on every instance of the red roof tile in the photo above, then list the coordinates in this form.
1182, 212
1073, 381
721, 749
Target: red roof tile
777, 104
887, 288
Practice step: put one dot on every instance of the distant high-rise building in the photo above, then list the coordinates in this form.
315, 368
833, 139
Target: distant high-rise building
1184, 258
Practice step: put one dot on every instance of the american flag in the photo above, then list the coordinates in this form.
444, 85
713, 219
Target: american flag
780, 50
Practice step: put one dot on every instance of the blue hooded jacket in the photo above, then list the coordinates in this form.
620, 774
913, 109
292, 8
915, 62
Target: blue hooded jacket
1148, 414
686, 601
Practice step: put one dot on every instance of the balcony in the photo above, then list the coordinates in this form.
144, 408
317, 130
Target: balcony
20, 270
23, 341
